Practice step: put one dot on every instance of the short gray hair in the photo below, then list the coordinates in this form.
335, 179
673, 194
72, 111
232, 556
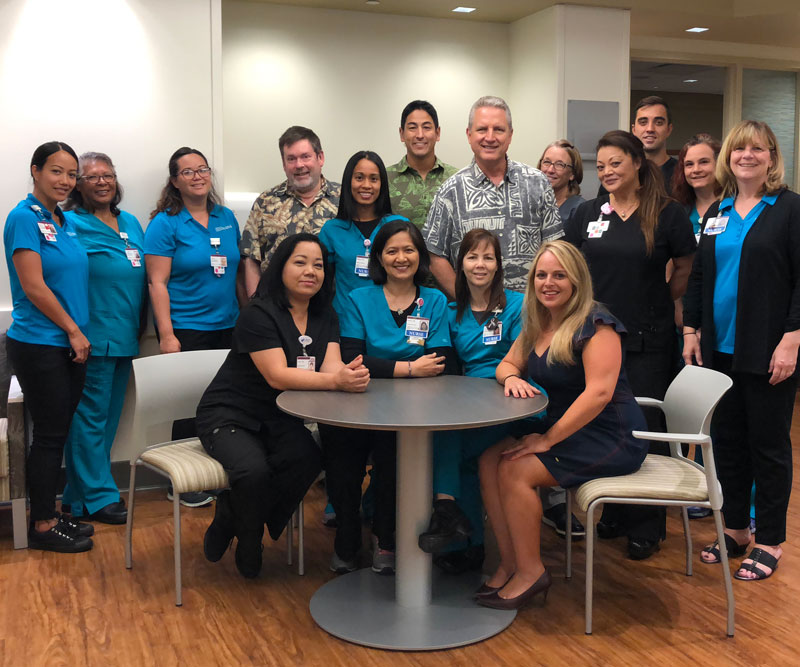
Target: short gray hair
490, 101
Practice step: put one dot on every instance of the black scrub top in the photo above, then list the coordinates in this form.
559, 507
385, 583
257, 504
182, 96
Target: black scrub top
631, 284
239, 394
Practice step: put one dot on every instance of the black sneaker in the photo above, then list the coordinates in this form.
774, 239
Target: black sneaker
448, 526
78, 527
59, 538
193, 498
221, 531
556, 518
248, 554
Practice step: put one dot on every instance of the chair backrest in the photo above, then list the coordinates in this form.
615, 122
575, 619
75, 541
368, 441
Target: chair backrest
169, 387
692, 397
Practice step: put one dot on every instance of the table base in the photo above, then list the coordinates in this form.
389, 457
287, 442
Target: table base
360, 607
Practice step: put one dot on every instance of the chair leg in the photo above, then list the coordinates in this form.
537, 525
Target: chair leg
590, 534
568, 574
726, 572
129, 521
687, 532
301, 561
19, 519
290, 540
176, 515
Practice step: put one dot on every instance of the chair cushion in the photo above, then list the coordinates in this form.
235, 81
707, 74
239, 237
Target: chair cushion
659, 477
187, 465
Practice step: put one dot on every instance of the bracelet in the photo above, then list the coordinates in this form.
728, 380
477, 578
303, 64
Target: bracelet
409, 369
690, 333
512, 375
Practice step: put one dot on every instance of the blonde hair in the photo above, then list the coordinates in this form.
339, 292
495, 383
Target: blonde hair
749, 132
536, 317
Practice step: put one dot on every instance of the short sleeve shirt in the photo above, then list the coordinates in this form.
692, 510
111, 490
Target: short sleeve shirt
521, 211
199, 298
65, 270
239, 394
410, 195
279, 213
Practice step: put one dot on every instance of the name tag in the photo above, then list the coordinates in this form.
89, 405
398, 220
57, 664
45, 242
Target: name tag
716, 226
219, 262
133, 256
362, 266
596, 228
417, 330
307, 363
492, 332
48, 230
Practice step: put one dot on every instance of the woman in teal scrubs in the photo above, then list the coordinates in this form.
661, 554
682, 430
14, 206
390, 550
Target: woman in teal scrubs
114, 243
484, 321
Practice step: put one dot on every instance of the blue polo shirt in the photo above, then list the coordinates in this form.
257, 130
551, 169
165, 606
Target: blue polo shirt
65, 270
344, 242
198, 299
116, 287
367, 317
480, 360
727, 255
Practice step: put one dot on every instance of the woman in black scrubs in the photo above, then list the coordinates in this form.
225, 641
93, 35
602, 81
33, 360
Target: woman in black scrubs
628, 237
287, 337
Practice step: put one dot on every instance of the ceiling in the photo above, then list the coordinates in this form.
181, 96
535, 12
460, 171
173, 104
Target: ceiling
677, 78
773, 22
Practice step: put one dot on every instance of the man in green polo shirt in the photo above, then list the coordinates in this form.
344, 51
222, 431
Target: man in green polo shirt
418, 176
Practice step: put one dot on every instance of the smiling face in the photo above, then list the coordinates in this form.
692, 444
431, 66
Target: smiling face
194, 186
302, 166
55, 180
551, 284
365, 184
751, 161
97, 184
420, 134
557, 166
617, 170
489, 135
400, 257
652, 127
480, 265
698, 166
304, 271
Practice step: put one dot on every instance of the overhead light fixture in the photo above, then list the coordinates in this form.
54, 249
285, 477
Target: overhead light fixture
696, 29
690, 80
372, 2
464, 10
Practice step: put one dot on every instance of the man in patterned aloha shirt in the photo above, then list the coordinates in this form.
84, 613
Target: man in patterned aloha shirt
302, 203
418, 176
511, 199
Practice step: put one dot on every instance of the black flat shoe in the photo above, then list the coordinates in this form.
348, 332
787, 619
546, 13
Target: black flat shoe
639, 549
609, 530
541, 585
448, 526
248, 554
76, 526
458, 562
59, 538
113, 513
220, 533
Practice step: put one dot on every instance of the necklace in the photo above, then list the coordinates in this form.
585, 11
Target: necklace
624, 214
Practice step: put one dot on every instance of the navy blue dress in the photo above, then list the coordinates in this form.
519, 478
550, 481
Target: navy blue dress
605, 446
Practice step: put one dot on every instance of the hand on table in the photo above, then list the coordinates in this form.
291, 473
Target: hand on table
353, 377
428, 365
519, 388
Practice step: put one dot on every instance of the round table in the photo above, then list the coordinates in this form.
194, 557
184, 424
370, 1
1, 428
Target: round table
415, 611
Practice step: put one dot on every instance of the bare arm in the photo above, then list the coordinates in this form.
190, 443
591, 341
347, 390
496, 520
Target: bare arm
682, 267
510, 373
158, 270
444, 274
28, 265
252, 274
334, 375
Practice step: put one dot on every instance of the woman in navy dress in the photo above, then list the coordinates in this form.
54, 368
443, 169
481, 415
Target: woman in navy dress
572, 347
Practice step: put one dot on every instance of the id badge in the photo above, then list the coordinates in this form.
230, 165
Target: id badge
362, 266
305, 363
48, 230
133, 256
492, 333
716, 226
417, 330
219, 262
596, 229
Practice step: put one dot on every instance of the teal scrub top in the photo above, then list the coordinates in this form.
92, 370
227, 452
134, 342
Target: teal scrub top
480, 360
344, 242
198, 299
367, 317
116, 286
65, 270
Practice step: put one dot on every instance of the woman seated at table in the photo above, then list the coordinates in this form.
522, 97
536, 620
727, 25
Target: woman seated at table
572, 347
484, 322
287, 337
400, 328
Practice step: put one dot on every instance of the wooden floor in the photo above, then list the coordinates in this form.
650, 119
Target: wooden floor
87, 609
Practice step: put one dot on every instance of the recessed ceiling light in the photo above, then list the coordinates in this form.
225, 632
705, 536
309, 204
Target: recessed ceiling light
696, 29
464, 10
372, 2
690, 80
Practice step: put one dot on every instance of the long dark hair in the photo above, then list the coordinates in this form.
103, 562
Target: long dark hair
347, 205
76, 197
497, 296
170, 199
680, 189
271, 288
652, 195
376, 270
42, 154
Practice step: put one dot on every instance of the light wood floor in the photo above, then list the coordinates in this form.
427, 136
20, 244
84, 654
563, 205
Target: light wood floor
87, 609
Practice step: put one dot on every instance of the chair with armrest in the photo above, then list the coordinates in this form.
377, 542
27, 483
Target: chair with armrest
169, 387
666, 480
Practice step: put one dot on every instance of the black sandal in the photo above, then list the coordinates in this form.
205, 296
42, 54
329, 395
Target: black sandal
758, 556
735, 550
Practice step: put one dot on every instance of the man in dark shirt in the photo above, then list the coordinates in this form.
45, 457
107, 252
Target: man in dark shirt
652, 123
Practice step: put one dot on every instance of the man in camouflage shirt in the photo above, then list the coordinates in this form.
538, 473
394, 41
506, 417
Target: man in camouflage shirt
302, 203
418, 176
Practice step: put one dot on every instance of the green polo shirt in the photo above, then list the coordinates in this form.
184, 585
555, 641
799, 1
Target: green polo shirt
411, 196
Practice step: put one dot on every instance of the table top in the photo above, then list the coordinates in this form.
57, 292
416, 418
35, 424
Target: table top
446, 402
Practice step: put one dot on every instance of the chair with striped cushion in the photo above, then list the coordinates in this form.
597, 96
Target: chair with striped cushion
666, 480
169, 387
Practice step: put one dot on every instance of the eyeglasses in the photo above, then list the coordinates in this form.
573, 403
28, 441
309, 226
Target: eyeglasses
96, 178
189, 173
558, 166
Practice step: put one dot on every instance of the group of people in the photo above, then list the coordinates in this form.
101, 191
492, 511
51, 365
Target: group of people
498, 270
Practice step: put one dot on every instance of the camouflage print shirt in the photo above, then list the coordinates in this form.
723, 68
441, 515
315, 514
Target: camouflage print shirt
521, 211
278, 213
411, 196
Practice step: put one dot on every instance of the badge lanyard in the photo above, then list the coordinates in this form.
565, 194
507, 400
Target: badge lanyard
493, 329
131, 253
47, 229
362, 261
417, 327
304, 361
218, 262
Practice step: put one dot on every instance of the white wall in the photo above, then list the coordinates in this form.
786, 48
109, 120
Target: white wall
131, 78
347, 75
